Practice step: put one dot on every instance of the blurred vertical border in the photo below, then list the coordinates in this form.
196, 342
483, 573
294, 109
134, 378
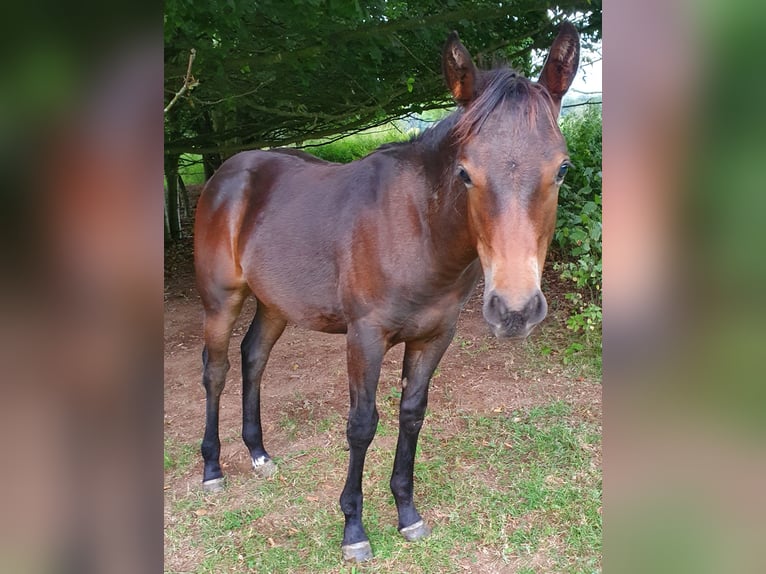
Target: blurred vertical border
81, 287
81, 130
684, 286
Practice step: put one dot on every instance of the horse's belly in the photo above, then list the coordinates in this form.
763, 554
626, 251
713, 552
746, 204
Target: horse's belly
303, 292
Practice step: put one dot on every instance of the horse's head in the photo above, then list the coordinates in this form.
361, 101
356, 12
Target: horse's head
511, 158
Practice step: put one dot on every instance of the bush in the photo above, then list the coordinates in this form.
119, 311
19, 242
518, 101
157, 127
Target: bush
577, 240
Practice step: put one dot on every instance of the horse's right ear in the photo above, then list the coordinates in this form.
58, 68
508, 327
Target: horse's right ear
561, 64
458, 69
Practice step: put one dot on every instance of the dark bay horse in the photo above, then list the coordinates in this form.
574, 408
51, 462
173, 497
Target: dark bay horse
386, 249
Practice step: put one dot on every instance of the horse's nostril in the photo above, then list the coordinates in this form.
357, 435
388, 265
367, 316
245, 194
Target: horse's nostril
493, 302
514, 322
537, 308
497, 306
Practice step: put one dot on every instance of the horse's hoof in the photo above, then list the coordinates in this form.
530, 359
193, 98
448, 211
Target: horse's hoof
214, 484
357, 552
416, 531
264, 467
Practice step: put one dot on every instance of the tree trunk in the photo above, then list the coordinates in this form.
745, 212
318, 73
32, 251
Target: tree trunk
165, 218
174, 215
211, 161
184, 196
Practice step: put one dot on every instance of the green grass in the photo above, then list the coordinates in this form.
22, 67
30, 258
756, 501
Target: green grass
578, 353
358, 145
179, 458
519, 491
191, 169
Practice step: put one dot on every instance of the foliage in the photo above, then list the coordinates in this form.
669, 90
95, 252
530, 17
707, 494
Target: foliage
273, 73
276, 73
577, 240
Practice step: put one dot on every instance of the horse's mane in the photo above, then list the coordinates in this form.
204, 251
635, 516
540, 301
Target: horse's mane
498, 87
505, 87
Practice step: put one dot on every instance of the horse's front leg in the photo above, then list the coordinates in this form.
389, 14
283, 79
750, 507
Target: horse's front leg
366, 348
420, 362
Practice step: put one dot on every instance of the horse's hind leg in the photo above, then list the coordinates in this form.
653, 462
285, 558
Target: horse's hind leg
220, 315
264, 331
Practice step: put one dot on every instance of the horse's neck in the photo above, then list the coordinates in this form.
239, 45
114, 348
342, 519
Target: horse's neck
452, 239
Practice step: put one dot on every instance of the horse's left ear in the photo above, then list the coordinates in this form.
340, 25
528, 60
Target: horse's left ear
458, 69
561, 65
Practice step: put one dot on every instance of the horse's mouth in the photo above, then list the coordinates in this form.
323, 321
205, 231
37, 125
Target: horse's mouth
504, 333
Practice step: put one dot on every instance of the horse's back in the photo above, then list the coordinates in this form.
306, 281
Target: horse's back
270, 220
322, 243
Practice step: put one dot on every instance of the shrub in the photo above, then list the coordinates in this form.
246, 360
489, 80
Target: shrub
577, 240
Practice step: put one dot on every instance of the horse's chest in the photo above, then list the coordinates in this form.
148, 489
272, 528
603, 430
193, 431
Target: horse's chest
427, 322
431, 313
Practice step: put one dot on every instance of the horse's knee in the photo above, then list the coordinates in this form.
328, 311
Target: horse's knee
214, 375
361, 428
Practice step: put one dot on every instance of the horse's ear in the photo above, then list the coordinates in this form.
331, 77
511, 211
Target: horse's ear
458, 69
561, 65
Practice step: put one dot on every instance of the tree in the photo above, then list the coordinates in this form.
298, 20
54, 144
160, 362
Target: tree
277, 73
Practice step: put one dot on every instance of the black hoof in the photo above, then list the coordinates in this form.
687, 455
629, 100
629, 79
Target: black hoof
416, 531
214, 484
357, 552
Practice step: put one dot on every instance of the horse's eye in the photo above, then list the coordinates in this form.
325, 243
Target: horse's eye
463, 175
562, 172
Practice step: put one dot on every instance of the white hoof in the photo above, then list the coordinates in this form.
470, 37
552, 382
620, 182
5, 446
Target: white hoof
357, 552
264, 467
214, 484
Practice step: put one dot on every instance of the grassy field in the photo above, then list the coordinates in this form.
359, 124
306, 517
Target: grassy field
517, 491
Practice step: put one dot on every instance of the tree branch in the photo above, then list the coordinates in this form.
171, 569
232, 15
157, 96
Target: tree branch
189, 82
589, 103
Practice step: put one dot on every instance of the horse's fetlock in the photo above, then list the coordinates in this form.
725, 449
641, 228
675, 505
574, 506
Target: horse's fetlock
401, 486
351, 503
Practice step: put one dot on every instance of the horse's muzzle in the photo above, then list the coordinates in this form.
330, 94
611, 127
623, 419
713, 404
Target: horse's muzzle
512, 323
